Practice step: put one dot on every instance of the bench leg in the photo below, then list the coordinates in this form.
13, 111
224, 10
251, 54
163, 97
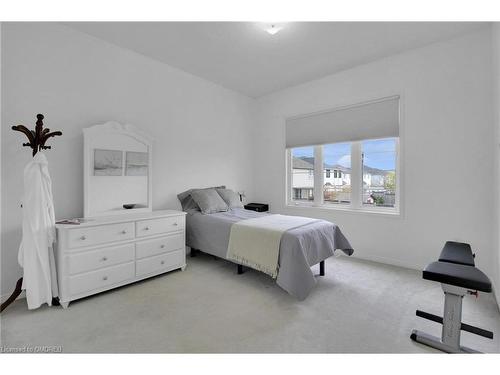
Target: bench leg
193, 252
436, 343
452, 323
452, 320
240, 269
322, 268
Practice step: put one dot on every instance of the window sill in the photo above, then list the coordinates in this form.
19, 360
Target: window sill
345, 208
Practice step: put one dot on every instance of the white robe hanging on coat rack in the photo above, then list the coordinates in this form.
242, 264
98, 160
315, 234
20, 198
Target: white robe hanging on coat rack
36, 254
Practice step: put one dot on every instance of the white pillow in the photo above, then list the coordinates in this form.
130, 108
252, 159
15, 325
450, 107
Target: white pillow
231, 198
209, 201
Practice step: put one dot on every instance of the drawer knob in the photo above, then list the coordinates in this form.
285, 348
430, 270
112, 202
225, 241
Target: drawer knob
162, 262
175, 224
104, 259
105, 278
162, 246
83, 238
146, 228
124, 232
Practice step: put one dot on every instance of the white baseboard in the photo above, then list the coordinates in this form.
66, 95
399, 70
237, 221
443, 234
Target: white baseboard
389, 261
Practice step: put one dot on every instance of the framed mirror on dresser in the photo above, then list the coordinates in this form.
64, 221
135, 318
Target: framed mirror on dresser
117, 170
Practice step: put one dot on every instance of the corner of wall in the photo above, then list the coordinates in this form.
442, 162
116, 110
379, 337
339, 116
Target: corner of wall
1, 26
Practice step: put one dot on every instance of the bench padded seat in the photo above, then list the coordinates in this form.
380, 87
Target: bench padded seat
457, 252
459, 275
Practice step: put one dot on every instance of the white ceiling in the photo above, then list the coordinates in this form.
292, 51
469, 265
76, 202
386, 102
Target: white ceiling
243, 57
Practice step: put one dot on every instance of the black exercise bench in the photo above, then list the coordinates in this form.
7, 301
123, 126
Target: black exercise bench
456, 272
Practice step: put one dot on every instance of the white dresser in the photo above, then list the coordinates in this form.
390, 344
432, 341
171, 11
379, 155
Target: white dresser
106, 252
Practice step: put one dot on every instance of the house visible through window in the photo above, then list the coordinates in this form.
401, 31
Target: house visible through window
377, 182
303, 173
337, 189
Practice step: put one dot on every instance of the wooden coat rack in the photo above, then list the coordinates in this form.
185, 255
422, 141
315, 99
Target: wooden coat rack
36, 140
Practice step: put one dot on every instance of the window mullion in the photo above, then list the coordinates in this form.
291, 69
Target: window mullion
318, 175
356, 174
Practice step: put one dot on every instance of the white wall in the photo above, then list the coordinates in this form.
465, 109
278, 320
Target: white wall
446, 136
496, 145
201, 130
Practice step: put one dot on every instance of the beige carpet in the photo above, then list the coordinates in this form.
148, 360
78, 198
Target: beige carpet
358, 307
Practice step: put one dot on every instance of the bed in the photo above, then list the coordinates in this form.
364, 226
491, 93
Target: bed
299, 248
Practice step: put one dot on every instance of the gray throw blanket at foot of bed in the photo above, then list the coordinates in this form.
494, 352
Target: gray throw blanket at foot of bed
256, 242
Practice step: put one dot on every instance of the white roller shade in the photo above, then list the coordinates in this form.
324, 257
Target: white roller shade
379, 119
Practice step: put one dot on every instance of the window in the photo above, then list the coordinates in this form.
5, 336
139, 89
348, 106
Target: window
303, 173
337, 189
364, 175
379, 172
347, 157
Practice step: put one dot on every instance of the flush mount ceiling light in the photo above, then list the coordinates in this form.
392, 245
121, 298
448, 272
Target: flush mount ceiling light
273, 29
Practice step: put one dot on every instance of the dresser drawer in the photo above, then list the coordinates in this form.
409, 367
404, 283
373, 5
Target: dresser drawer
159, 263
98, 235
159, 226
102, 278
161, 245
95, 259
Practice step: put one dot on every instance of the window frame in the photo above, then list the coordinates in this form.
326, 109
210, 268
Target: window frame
356, 204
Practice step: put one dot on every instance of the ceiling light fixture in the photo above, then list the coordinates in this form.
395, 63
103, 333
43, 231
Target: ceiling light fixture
273, 29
